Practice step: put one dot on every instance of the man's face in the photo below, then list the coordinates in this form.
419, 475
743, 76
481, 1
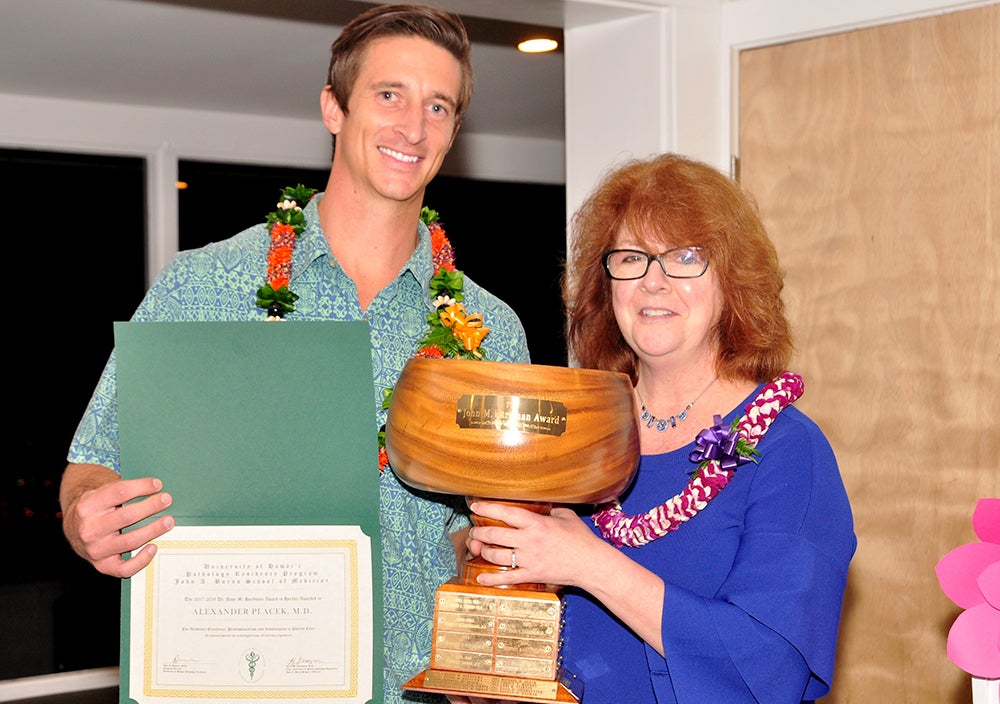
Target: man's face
400, 121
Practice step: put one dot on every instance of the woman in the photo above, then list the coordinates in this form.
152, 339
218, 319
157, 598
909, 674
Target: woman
726, 587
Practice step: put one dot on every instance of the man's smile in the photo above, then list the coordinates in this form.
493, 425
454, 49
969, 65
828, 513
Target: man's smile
399, 156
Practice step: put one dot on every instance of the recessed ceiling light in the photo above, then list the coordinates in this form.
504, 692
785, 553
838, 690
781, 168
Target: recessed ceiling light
537, 46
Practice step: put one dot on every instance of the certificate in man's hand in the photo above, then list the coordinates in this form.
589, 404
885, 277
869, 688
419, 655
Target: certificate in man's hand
269, 589
268, 613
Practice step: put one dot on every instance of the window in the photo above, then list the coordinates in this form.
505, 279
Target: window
75, 263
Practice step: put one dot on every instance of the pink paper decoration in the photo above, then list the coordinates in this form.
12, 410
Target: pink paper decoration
969, 575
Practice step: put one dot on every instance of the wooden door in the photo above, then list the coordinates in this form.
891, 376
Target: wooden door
875, 158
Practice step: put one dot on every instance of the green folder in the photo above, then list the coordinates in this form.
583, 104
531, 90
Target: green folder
253, 423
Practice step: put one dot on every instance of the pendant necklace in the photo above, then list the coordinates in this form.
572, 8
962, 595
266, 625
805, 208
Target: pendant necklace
661, 424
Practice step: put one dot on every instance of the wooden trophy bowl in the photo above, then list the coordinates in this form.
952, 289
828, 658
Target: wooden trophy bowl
515, 432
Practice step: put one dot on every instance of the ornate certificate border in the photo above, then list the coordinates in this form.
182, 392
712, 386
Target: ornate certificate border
258, 613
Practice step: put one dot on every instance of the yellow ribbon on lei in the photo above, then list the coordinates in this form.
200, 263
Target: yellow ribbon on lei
467, 328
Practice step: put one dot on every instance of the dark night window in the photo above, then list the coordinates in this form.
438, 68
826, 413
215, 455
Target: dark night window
76, 263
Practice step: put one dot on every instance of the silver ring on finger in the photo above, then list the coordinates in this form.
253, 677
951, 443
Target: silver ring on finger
513, 559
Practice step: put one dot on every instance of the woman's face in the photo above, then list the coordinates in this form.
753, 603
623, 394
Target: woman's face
663, 318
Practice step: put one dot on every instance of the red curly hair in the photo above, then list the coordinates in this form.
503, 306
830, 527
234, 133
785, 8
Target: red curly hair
671, 201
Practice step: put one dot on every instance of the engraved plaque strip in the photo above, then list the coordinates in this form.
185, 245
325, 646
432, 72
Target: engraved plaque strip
522, 628
451, 640
540, 608
465, 602
526, 667
526, 647
528, 415
465, 623
486, 684
463, 661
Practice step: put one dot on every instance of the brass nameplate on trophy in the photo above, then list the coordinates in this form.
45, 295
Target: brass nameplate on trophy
467, 623
527, 415
463, 661
467, 603
526, 667
529, 608
525, 647
525, 628
489, 684
464, 641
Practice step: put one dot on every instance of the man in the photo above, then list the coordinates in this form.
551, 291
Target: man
400, 80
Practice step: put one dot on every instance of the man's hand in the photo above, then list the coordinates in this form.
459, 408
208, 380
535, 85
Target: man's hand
94, 499
460, 538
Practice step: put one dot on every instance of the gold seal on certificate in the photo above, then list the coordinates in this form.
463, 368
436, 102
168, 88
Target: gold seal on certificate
528, 435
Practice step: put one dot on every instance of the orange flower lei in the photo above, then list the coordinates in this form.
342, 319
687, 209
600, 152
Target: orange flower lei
451, 332
286, 224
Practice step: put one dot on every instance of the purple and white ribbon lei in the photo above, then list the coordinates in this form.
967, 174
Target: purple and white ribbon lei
717, 449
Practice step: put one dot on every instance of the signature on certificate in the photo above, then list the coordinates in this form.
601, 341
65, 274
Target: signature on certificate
302, 665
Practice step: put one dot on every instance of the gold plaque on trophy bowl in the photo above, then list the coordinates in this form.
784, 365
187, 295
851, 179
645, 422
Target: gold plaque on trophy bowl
524, 434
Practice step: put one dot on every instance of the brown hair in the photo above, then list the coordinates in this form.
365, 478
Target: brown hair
445, 29
670, 201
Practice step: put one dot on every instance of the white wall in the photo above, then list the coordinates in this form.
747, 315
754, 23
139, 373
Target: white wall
641, 85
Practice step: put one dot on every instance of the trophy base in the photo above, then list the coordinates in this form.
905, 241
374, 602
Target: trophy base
502, 687
497, 643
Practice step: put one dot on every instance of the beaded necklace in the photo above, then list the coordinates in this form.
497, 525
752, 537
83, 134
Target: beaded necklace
663, 423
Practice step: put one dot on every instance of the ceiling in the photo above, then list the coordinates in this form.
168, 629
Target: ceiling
245, 56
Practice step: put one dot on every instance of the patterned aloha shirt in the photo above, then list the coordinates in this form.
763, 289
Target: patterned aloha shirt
218, 282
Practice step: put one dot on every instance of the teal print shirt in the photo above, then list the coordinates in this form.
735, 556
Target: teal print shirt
219, 282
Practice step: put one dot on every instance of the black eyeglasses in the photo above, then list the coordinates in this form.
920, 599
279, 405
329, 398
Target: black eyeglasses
678, 263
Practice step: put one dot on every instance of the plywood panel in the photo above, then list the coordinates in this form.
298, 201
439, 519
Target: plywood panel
875, 158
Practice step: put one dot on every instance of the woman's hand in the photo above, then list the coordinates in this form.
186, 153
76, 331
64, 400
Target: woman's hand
561, 550
547, 549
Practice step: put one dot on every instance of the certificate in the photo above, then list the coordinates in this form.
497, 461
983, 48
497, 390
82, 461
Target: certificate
269, 588
268, 613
